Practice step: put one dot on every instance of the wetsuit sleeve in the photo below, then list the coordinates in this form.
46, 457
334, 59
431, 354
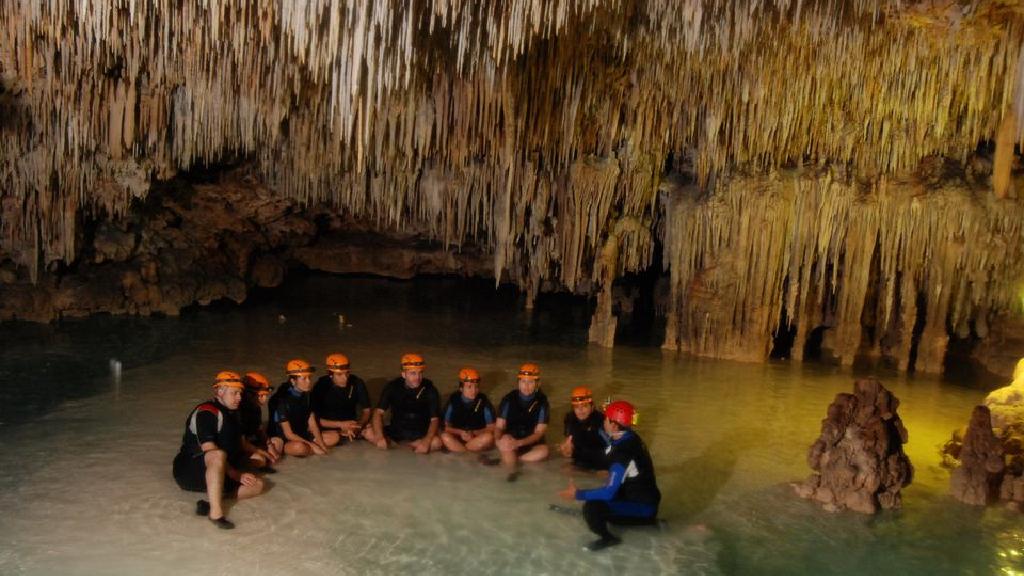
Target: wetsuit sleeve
206, 425
448, 413
488, 414
503, 408
616, 474
543, 414
435, 403
283, 411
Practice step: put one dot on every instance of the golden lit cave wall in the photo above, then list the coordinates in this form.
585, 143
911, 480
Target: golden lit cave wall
822, 247
535, 128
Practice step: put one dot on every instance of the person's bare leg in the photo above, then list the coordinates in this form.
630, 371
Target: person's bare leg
480, 442
251, 491
435, 444
536, 453
276, 445
508, 457
298, 449
451, 443
215, 460
331, 437
369, 435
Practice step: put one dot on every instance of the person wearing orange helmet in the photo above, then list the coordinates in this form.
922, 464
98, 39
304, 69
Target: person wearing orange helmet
522, 421
468, 416
631, 495
584, 426
415, 410
262, 451
293, 423
339, 399
211, 452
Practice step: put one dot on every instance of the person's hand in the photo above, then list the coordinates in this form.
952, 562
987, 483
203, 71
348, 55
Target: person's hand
318, 449
465, 435
423, 447
570, 492
382, 443
247, 479
267, 455
566, 447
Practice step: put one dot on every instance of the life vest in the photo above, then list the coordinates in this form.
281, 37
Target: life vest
639, 484
521, 420
468, 416
228, 434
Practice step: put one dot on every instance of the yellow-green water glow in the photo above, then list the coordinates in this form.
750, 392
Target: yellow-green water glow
85, 486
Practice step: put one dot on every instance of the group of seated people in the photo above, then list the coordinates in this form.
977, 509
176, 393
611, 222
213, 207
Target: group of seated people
227, 445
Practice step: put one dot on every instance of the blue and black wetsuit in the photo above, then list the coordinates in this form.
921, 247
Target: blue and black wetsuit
522, 414
588, 443
292, 407
468, 414
631, 495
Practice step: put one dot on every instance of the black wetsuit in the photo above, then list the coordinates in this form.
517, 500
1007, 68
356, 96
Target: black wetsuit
631, 495
292, 407
208, 422
250, 414
411, 408
466, 414
523, 414
588, 444
331, 402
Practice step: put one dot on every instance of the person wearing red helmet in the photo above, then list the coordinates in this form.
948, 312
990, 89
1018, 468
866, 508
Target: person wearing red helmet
468, 416
293, 424
522, 421
631, 495
415, 410
211, 452
584, 429
340, 400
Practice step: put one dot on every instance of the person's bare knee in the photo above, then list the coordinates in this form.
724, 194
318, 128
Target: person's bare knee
215, 459
451, 443
536, 453
297, 449
332, 438
251, 491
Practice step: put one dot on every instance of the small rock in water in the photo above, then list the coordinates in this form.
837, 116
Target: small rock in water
281, 319
115, 368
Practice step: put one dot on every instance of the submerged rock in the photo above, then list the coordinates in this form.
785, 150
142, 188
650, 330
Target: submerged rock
858, 460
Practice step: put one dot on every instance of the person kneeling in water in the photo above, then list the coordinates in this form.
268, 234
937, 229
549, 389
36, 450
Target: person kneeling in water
468, 417
631, 495
211, 449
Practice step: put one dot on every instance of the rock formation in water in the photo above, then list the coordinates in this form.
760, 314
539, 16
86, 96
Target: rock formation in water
988, 457
977, 479
858, 460
869, 197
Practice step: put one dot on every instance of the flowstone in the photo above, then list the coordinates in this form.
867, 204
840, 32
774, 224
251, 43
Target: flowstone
858, 460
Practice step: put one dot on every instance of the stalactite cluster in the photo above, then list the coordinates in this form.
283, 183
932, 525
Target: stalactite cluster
810, 249
530, 127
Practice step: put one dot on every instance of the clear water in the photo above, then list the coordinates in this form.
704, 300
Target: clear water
85, 485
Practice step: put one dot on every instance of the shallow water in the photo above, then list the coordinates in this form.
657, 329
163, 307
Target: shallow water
85, 484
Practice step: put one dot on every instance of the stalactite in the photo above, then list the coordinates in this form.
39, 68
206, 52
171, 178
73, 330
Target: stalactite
961, 253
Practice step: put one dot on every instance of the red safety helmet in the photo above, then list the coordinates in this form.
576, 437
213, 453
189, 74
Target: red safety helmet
621, 412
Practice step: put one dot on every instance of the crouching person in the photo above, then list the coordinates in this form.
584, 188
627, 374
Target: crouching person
211, 450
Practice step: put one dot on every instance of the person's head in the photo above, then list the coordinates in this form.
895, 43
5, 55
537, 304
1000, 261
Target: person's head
337, 366
299, 372
257, 385
619, 416
469, 382
582, 402
227, 387
529, 378
412, 369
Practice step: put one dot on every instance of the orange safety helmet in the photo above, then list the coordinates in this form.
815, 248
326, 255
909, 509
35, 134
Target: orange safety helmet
337, 363
256, 382
581, 395
468, 374
229, 379
530, 371
622, 413
413, 362
298, 367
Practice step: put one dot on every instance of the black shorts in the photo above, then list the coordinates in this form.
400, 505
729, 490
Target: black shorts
399, 434
190, 474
